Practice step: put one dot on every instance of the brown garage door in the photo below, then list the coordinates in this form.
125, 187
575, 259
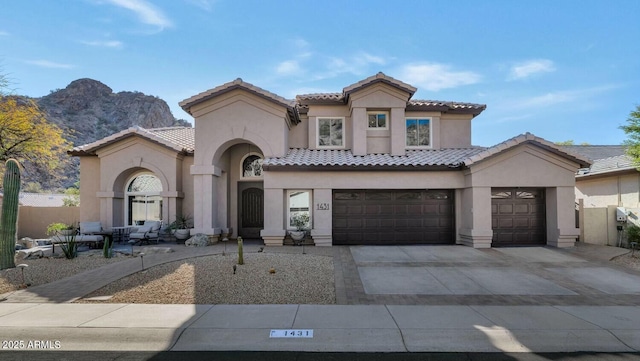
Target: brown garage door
518, 217
393, 217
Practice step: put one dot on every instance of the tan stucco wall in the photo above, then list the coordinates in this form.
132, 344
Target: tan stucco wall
236, 117
33, 221
455, 131
89, 187
299, 134
616, 189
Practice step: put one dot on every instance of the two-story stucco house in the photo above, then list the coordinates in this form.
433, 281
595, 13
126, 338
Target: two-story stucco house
368, 165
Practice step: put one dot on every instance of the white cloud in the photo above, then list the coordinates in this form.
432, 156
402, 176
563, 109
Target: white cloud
552, 98
50, 64
206, 5
289, 67
531, 67
146, 12
358, 64
434, 76
106, 44
4, 33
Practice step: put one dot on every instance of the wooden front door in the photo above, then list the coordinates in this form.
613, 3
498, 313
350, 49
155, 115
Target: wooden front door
251, 210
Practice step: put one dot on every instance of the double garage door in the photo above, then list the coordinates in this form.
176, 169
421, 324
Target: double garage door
383, 217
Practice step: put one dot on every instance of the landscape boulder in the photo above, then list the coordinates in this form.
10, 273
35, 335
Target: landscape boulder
199, 240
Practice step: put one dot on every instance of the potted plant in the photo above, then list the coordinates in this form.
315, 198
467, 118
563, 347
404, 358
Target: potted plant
180, 227
61, 229
301, 222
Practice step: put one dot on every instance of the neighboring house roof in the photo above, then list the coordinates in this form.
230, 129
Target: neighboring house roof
606, 159
421, 158
582, 160
180, 139
241, 84
40, 199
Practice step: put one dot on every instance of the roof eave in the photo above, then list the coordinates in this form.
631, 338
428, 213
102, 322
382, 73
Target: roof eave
345, 167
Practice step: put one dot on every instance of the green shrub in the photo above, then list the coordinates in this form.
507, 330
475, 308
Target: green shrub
633, 233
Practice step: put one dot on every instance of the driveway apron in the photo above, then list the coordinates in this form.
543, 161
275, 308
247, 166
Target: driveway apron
459, 275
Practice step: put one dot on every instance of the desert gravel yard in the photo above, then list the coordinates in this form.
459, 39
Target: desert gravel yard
264, 278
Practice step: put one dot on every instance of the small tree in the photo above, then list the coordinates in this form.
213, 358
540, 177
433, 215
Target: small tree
72, 196
632, 130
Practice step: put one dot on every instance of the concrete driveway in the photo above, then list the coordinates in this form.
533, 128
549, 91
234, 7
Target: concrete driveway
458, 275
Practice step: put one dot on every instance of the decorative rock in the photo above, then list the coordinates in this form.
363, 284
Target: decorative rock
27, 242
199, 240
31, 253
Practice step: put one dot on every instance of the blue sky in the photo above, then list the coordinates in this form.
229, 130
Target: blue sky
559, 69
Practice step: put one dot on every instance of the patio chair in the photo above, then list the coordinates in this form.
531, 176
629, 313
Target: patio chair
147, 232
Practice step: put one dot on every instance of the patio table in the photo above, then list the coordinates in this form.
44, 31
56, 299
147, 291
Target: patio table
121, 234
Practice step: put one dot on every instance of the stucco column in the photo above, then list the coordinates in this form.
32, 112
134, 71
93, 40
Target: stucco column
397, 124
321, 212
110, 209
205, 209
561, 217
273, 232
476, 217
359, 136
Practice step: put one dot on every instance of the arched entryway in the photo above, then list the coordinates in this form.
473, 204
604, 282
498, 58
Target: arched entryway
143, 200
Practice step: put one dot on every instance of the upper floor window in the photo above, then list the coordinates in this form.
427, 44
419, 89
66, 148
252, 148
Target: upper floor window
378, 120
330, 132
418, 132
252, 166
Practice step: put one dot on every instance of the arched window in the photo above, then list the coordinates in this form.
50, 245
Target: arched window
252, 166
143, 199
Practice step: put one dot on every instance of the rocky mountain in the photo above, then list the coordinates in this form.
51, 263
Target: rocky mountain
88, 110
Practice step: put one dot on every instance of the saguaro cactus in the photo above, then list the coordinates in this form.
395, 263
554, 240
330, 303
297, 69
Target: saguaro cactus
9, 219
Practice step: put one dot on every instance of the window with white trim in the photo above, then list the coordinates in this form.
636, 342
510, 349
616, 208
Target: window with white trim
331, 132
298, 205
378, 120
418, 132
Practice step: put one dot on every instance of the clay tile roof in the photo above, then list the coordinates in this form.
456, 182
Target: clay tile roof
320, 96
181, 136
380, 77
323, 158
606, 159
446, 106
180, 139
236, 84
528, 138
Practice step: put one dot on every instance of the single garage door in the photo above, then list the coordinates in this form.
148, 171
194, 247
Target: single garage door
518, 217
393, 217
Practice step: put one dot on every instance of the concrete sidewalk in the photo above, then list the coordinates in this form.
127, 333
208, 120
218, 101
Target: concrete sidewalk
335, 328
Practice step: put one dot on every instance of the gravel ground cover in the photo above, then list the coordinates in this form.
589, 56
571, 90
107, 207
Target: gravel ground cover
264, 278
629, 260
49, 269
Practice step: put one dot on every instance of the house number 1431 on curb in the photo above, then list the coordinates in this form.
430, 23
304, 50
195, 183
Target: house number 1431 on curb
291, 333
322, 206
